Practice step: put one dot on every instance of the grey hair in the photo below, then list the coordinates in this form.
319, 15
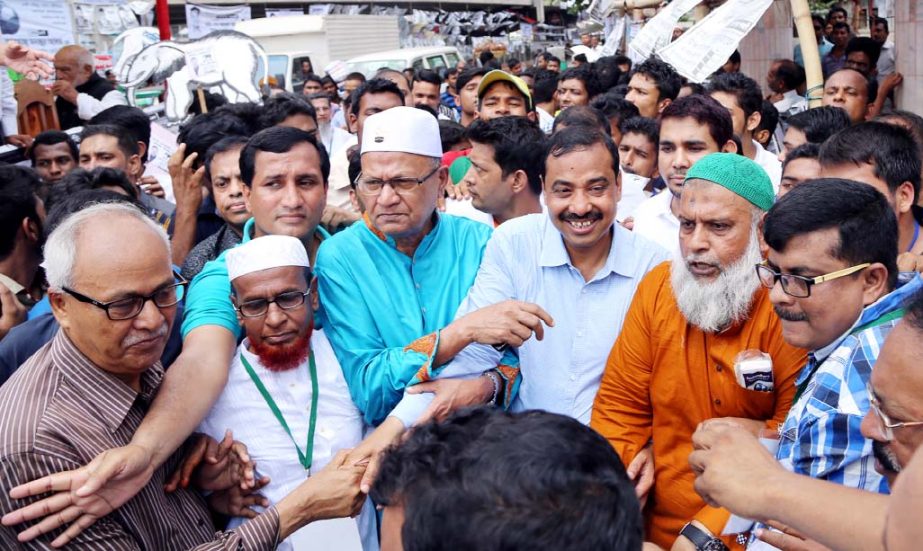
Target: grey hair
61, 246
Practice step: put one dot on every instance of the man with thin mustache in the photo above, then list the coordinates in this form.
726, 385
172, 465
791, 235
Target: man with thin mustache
699, 341
833, 280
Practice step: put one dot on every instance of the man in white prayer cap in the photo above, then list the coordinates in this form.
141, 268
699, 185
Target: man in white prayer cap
286, 397
391, 283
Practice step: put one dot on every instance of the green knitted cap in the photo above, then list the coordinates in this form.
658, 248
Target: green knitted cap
458, 169
738, 174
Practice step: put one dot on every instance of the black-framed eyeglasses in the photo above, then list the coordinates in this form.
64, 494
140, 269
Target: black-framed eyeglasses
130, 307
800, 286
259, 306
373, 186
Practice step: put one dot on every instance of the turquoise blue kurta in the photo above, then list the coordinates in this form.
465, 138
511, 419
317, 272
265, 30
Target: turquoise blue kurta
384, 309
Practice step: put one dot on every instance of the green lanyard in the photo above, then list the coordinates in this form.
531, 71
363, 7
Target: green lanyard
306, 457
893, 315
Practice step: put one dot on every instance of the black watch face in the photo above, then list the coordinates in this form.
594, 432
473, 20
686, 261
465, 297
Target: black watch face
715, 545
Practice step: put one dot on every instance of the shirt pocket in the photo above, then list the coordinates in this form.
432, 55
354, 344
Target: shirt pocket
757, 405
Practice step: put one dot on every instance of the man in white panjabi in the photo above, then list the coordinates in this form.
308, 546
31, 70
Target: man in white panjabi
286, 397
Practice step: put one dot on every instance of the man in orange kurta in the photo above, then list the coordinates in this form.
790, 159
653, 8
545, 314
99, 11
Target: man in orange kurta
666, 374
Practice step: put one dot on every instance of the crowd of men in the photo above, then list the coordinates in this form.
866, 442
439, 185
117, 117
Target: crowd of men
585, 307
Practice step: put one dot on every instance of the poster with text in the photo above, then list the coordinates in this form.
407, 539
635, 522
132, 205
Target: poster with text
42, 24
202, 19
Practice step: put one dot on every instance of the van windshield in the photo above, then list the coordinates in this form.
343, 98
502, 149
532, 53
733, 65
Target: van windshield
369, 68
278, 66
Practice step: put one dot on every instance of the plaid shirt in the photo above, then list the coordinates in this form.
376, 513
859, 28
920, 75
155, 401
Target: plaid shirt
820, 437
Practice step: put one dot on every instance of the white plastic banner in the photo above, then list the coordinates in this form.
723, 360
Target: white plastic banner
614, 39
42, 24
278, 12
707, 46
656, 33
202, 19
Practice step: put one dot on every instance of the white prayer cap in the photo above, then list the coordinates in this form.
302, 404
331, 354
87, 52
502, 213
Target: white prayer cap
263, 253
402, 130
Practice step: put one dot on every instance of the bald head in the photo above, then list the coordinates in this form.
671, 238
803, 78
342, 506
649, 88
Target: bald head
74, 64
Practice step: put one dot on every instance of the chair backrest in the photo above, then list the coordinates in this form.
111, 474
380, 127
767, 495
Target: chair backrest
35, 109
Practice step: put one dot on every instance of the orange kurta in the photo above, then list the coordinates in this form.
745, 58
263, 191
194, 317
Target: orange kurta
664, 376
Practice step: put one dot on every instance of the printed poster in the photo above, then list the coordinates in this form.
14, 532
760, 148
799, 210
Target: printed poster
202, 19
42, 24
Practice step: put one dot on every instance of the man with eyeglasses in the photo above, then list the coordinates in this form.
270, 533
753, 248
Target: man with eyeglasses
286, 396
285, 177
735, 471
699, 342
833, 280
390, 284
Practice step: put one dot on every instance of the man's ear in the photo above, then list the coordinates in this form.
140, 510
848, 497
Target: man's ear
729, 147
142, 149
240, 319
904, 197
59, 309
874, 283
31, 229
519, 181
315, 297
753, 121
662, 104
532, 116
134, 166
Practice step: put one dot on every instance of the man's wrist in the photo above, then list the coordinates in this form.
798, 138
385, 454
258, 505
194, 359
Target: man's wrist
295, 510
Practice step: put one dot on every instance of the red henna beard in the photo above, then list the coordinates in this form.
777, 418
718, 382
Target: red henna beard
285, 357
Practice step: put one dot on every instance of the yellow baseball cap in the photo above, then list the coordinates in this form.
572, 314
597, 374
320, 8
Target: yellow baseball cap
497, 76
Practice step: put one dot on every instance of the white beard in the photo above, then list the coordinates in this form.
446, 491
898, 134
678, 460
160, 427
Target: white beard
714, 305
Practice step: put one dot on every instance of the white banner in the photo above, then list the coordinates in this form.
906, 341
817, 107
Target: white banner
202, 19
614, 40
656, 33
708, 45
42, 24
277, 12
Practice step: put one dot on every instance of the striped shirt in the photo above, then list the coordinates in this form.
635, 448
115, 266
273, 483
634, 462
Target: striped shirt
58, 412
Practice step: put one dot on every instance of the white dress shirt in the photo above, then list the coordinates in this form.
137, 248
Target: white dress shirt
545, 120
526, 260
770, 164
791, 104
655, 221
88, 106
464, 208
8, 105
242, 409
886, 59
338, 182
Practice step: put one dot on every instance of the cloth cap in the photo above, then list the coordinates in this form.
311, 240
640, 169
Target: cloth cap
497, 76
402, 130
458, 169
263, 253
736, 173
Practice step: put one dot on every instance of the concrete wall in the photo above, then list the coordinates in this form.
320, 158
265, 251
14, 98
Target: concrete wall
770, 39
907, 35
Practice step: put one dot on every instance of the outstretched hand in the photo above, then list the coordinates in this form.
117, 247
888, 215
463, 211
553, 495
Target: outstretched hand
25, 60
82, 496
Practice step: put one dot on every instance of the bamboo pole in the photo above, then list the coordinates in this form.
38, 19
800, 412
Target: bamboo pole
809, 52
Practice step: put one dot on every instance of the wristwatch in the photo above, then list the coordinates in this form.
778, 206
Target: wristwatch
702, 540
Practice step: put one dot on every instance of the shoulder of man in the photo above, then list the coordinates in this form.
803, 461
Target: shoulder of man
24, 400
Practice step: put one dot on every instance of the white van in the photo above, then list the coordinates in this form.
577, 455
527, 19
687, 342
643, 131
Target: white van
437, 58
319, 39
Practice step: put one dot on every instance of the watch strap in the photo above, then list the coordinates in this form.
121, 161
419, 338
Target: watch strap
701, 539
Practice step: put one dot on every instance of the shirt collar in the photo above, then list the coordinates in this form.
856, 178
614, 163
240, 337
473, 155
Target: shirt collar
619, 261
884, 305
249, 228
110, 396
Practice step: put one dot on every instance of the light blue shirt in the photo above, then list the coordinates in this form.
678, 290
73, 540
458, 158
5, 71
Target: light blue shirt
384, 309
208, 301
526, 260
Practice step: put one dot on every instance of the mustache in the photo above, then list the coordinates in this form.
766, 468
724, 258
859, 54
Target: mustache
141, 336
590, 216
789, 316
885, 457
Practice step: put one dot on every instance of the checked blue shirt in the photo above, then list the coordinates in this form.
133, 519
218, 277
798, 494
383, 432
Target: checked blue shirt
820, 437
